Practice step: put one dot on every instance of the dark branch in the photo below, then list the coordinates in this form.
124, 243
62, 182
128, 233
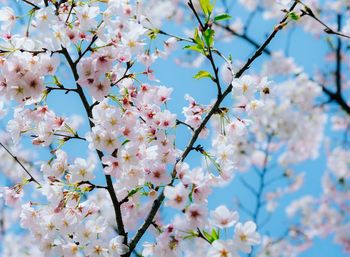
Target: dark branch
31, 179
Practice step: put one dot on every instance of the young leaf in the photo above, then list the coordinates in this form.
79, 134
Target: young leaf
222, 17
208, 236
57, 82
134, 191
209, 37
197, 48
294, 16
206, 6
153, 33
202, 74
214, 234
196, 37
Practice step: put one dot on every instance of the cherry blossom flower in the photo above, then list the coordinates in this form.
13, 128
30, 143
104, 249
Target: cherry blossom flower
116, 246
221, 249
223, 217
81, 170
177, 195
246, 236
7, 18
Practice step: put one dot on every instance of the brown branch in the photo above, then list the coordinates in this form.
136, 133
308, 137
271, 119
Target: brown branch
88, 48
243, 36
31, 4
338, 98
110, 188
338, 78
70, 11
35, 52
307, 11
91, 185
31, 179
67, 137
178, 122
49, 89
161, 32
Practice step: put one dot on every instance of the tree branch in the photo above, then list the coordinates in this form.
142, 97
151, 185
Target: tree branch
31, 179
327, 29
157, 203
108, 178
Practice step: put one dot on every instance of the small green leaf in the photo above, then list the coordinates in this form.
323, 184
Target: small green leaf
57, 82
214, 234
206, 6
197, 48
209, 37
222, 17
202, 74
196, 37
153, 33
126, 141
134, 191
70, 130
294, 16
208, 236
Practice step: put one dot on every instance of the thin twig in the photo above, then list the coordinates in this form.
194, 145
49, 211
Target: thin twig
20, 163
327, 29
31, 4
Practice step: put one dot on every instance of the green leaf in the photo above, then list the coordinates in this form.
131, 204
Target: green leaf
196, 37
153, 33
197, 48
126, 141
209, 37
206, 6
57, 82
294, 16
202, 74
69, 129
208, 236
134, 191
214, 234
222, 17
